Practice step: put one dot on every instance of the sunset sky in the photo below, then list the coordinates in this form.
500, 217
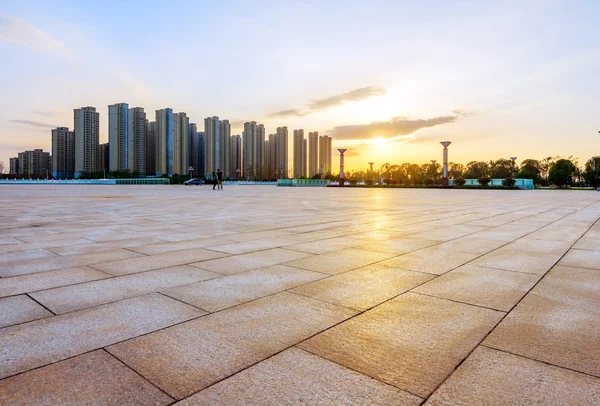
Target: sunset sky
388, 80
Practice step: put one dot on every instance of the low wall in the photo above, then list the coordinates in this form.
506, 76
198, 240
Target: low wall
302, 182
520, 183
136, 181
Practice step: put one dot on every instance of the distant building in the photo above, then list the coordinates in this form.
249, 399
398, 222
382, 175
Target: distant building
14, 166
35, 162
325, 154
151, 152
87, 139
299, 152
138, 128
118, 136
193, 150
235, 156
224, 147
253, 150
104, 157
164, 142
181, 143
313, 154
212, 131
63, 153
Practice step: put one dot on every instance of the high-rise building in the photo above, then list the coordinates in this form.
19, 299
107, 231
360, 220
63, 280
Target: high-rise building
151, 152
35, 162
299, 154
254, 157
235, 156
181, 142
14, 166
164, 142
223, 147
325, 154
87, 139
118, 136
138, 128
194, 150
212, 131
313, 154
104, 156
63, 153
282, 153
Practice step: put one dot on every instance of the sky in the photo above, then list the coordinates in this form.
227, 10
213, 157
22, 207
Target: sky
386, 79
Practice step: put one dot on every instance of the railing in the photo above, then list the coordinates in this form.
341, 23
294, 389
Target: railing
134, 181
520, 183
302, 182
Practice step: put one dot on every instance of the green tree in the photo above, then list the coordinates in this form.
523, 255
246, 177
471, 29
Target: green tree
476, 170
591, 172
531, 169
503, 168
455, 171
561, 173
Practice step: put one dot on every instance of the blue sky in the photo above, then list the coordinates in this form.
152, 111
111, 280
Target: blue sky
512, 78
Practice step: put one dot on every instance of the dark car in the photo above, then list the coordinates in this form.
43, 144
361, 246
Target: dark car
193, 182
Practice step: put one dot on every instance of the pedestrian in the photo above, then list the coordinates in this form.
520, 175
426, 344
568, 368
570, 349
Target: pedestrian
214, 180
220, 178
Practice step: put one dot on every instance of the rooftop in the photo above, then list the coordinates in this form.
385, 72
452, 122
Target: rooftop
264, 295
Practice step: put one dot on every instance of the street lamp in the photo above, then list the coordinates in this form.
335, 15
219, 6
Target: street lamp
512, 168
237, 173
341, 151
445, 144
46, 169
191, 171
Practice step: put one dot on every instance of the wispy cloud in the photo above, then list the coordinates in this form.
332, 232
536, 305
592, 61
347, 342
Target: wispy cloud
398, 129
33, 123
47, 113
19, 32
328, 102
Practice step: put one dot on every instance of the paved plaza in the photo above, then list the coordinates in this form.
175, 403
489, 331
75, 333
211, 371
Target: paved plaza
258, 295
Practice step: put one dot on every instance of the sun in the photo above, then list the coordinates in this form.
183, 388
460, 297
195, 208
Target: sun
379, 142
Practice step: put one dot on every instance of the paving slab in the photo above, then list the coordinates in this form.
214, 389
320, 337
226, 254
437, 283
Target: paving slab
396, 246
162, 247
297, 377
430, 260
38, 343
81, 296
20, 309
46, 280
326, 245
95, 378
25, 255
491, 376
486, 287
246, 262
227, 291
158, 261
186, 358
582, 259
412, 342
508, 259
566, 281
337, 262
365, 287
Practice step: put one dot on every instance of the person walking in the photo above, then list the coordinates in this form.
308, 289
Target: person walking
220, 178
214, 180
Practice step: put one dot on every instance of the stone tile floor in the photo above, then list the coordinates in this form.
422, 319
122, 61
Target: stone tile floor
154, 295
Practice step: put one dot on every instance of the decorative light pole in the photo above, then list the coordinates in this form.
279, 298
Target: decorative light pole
191, 171
371, 163
512, 168
341, 151
445, 144
237, 173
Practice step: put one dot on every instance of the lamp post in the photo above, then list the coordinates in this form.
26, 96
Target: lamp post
191, 171
341, 151
445, 144
237, 174
512, 168
46, 169
321, 171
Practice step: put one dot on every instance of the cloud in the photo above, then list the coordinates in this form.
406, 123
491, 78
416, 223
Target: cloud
322, 104
33, 123
398, 129
45, 113
19, 32
350, 153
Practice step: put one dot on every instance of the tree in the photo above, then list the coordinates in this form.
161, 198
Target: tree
432, 173
484, 180
455, 171
415, 174
502, 169
591, 172
476, 170
509, 182
2, 167
561, 173
531, 169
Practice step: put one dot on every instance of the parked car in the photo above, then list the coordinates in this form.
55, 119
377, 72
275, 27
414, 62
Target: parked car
193, 182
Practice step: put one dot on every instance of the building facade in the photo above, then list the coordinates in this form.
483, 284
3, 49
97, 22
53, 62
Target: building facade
325, 155
164, 142
212, 130
299, 152
13, 166
35, 162
138, 128
87, 138
253, 150
313, 154
235, 156
224, 147
151, 151
104, 157
63, 153
118, 136
181, 143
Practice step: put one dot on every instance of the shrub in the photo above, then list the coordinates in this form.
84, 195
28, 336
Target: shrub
508, 182
459, 182
484, 181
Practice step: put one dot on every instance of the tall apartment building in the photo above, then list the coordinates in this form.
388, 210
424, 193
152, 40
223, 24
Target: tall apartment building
13, 165
104, 157
35, 162
194, 150
212, 132
282, 153
325, 154
164, 142
224, 147
253, 144
313, 154
269, 157
118, 136
181, 143
151, 151
87, 138
138, 128
299, 154
235, 156
63, 153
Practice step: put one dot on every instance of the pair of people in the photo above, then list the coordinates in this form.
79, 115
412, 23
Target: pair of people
217, 179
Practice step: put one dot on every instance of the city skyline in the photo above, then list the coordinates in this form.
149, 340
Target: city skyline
498, 80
